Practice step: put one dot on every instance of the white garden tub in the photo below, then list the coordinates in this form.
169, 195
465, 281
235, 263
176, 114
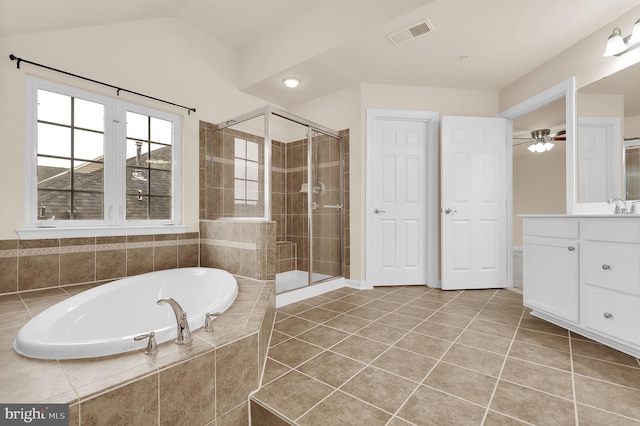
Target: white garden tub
105, 319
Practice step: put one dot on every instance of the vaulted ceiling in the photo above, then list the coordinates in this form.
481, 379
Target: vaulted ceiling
333, 44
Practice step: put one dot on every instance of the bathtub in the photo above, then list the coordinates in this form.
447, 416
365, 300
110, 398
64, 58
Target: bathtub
104, 320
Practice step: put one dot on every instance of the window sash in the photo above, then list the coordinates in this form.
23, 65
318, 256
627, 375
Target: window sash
114, 161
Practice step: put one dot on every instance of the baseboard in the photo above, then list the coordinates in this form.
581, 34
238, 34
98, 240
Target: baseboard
308, 292
358, 285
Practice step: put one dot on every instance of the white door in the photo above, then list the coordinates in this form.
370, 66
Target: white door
474, 203
598, 146
397, 234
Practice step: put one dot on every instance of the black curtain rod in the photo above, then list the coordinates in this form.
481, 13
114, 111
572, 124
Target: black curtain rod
118, 89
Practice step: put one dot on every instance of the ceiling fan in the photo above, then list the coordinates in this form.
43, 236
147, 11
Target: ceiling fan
541, 139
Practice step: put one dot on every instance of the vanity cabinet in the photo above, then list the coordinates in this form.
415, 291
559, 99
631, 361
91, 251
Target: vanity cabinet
583, 273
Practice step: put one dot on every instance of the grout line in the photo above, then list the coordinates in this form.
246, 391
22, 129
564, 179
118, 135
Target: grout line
504, 362
573, 382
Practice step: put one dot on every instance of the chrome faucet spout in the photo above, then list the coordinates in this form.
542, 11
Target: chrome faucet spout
621, 207
184, 334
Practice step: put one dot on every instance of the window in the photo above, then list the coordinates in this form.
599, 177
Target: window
94, 161
246, 173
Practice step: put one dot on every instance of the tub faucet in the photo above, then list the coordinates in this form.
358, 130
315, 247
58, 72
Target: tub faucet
184, 334
621, 207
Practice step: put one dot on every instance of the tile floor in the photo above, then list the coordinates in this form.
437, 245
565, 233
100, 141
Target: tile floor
419, 356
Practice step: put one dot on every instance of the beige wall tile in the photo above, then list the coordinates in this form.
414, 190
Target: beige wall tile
111, 264
187, 392
133, 404
139, 261
236, 372
40, 271
8, 274
77, 267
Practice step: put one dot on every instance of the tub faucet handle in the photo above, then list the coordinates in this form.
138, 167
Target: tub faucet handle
152, 346
208, 321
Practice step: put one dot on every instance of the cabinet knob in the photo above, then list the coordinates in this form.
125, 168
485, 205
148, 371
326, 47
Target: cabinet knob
606, 267
571, 248
607, 315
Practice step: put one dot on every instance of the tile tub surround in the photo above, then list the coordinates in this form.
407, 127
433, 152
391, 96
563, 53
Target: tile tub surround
38, 264
420, 356
206, 381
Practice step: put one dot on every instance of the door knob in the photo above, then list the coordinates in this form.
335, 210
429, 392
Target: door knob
449, 211
376, 211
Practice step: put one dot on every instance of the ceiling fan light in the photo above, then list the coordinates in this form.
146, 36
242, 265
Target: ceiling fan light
548, 146
635, 34
615, 43
532, 147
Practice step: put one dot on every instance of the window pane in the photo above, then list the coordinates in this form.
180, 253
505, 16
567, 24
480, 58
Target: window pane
240, 150
160, 208
137, 179
161, 131
137, 126
54, 173
160, 157
240, 193
87, 206
88, 177
88, 115
252, 170
137, 153
54, 140
252, 151
252, 190
160, 182
137, 208
239, 169
88, 145
53, 203
54, 107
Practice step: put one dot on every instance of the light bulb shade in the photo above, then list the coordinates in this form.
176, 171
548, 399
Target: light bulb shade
615, 43
540, 147
548, 146
532, 147
635, 34
291, 82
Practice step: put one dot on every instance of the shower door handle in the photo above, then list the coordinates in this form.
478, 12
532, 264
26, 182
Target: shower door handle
327, 206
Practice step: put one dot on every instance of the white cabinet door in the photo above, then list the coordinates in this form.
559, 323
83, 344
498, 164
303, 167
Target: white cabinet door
550, 274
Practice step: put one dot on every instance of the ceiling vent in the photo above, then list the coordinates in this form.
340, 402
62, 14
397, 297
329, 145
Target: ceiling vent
409, 33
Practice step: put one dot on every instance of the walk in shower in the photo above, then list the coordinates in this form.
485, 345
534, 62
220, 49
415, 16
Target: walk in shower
276, 166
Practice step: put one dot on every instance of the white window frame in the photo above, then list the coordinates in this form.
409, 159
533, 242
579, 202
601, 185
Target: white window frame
114, 222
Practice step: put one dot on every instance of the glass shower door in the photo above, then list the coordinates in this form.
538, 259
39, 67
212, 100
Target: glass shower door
326, 160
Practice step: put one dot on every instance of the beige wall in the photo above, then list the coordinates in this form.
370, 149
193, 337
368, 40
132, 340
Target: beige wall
538, 186
162, 58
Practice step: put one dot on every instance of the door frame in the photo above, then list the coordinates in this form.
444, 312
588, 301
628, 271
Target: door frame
432, 121
566, 89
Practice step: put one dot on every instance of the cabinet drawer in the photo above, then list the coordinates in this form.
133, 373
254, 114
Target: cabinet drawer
611, 266
623, 230
615, 314
556, 228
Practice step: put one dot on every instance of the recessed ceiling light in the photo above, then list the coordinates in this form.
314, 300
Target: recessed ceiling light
291, 82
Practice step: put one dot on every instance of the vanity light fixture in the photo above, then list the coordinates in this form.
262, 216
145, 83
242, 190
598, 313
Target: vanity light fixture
618, 45
291, 82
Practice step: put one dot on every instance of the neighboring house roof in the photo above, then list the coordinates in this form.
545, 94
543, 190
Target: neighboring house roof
54, 188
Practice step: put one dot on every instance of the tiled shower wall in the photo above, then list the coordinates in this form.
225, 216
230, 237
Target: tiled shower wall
37, 264
246, 248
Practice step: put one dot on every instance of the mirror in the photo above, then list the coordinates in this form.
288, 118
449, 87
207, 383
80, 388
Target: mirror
608, 113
